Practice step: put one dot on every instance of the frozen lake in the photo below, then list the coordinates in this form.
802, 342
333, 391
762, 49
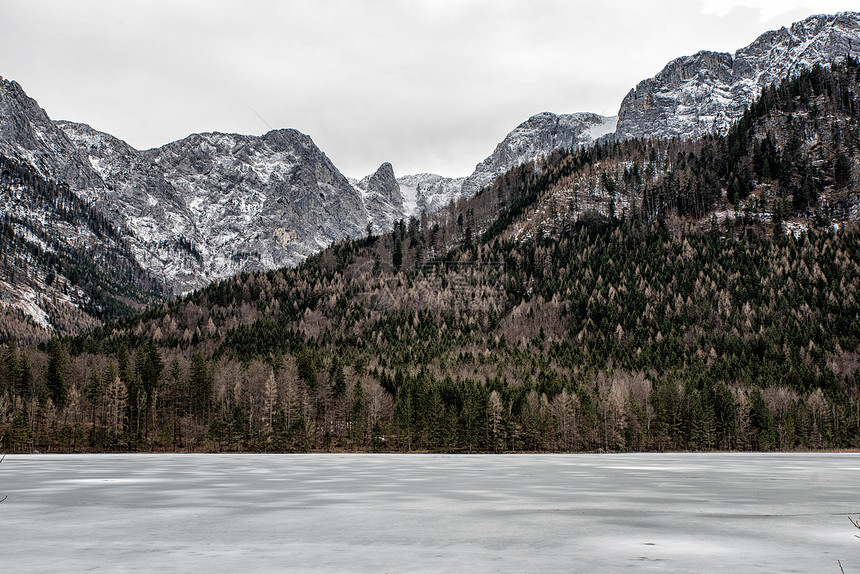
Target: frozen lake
432, 513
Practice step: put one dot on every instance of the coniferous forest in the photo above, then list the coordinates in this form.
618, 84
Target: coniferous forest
633, 296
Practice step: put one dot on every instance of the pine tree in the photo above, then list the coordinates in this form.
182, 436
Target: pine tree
55, 377
200, 386
358, 422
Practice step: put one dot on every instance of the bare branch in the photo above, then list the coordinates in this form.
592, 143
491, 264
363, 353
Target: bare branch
856, 524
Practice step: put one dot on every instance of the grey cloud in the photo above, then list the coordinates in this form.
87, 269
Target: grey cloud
427, 85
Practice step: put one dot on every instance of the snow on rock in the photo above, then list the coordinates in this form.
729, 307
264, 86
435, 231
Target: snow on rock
260, 202
535, 138
706, 92
381, 194
28, 135
532, 140
428, 192
137, 196
25, 298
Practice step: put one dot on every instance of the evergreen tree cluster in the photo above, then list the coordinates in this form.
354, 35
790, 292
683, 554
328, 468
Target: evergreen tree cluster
81, 284
632, 296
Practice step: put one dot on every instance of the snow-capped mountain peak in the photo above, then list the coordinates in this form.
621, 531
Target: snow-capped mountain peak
707, 91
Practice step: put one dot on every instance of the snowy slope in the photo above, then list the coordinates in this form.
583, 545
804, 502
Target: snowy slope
535, 138
260, 202
136, 195
705, 92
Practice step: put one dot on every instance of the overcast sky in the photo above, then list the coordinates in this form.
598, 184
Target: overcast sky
429, 85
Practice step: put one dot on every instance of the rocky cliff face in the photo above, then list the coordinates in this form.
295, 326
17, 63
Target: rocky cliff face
28, 135
205, 207
536, 137
260, 202
135, 195
428, 192
64, 265
212, 205
382, 198
694, 95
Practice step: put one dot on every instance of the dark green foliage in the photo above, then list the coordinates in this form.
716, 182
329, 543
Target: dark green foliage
200, 386
306, 363
149, 367
397, 254
358, 423
55, 378
103, 280
535, 317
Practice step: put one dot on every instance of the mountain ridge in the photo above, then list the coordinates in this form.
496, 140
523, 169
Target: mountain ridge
530, 317
211, 205
705, 92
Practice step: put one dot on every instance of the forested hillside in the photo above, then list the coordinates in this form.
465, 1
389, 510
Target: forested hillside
61, 261
637, 295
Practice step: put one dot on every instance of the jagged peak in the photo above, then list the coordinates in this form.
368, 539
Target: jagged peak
383, 182
284, 138
544, 117
541, 116
704, 92
385, 171
13, 84
16, 91
79, 127
292, 132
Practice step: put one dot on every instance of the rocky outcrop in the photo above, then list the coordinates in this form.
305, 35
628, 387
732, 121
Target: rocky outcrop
260, 202
535, 138
382, 198
163, 233
28, 135
706, 92
428, 192
383, 183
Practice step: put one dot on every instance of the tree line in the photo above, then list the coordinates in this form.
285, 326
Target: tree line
619, 298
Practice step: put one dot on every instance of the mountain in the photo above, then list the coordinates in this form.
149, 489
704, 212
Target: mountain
199, 209
110, 175
69, 261
644, 294
382, 198
28, 136
212, 205
64, 266
428, 192
790, 162
535, 138
135, 195
706, 92
259, 202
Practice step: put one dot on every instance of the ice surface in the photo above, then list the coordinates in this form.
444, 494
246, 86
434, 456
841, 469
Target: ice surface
431, 513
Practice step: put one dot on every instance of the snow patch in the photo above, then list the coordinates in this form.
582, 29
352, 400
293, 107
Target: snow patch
606, 127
